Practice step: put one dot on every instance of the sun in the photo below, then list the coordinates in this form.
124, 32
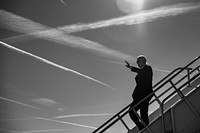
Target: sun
130, 6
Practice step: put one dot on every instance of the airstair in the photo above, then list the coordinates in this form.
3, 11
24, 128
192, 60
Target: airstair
178, 98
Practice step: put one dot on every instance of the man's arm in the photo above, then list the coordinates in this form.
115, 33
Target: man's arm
133, 69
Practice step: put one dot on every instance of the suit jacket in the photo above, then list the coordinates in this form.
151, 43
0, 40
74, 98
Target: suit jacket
143, 82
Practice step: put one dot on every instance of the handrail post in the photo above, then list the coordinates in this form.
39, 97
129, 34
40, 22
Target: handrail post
172, 120
182, 97
121, 114
123, 122
157, 99
162, 117
198, 69
188, 74
178, 91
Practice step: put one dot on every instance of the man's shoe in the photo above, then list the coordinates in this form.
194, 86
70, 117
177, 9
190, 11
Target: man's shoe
141, 127
131, 131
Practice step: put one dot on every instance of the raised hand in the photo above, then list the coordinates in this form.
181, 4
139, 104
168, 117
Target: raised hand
127, 64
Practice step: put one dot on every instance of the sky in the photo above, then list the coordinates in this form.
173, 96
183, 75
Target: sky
62, 61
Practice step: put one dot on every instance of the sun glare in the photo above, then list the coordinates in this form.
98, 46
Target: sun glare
130, 6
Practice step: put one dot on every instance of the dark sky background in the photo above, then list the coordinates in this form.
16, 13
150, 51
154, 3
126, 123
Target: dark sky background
38, 97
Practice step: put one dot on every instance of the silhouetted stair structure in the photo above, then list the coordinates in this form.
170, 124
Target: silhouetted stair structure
178, 96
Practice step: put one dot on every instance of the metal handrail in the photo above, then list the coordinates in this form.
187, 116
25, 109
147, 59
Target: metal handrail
177, 90
153, 93
116, 115
178, 68
179, 72
176, 83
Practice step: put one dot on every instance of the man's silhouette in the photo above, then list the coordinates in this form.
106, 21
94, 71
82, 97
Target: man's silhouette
142, 89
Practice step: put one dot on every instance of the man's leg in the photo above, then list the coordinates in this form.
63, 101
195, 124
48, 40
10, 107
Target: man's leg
134, 117
144, 112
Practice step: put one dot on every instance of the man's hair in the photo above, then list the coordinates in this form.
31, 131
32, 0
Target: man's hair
142, 57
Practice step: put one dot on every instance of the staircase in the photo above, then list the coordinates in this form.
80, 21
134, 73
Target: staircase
178, 98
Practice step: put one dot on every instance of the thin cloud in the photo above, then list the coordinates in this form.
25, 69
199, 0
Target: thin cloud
45, 101
53, 64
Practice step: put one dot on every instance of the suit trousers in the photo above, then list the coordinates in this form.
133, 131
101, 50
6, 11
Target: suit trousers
143, 107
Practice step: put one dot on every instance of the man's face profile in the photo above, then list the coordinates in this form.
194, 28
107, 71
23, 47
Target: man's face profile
141, 62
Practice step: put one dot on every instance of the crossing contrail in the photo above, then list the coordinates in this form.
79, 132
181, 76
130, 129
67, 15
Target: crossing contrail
36, 30
133, 19
16, 23
53, 64
23, 25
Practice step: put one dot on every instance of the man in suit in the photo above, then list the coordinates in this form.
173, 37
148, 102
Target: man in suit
143, 88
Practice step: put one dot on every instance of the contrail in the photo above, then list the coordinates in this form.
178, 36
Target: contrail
138, 18
53, 64
79, 115
102, 106
33, 131
167, 71
10, 131
63, 122
23, 25
46, 130
116, 62
18, 119
63, 2
13, 101
49, 119
59, 117
156, 69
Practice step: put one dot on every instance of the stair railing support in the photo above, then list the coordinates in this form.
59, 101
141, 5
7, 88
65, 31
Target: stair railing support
188, 74
123, 122
182, 97
172, 120
113, 120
